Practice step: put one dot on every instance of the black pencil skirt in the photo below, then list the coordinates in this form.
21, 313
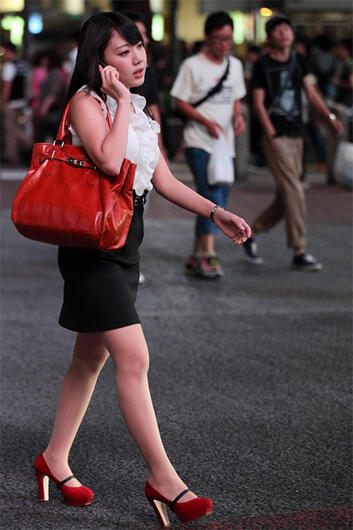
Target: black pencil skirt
100, 287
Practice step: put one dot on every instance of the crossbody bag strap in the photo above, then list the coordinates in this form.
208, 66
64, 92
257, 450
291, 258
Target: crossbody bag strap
217, 88
284, 81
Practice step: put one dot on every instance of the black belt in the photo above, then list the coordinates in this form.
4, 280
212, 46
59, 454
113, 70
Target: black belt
139, 200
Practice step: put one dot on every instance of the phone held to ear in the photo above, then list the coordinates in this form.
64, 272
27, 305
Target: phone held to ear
104, 65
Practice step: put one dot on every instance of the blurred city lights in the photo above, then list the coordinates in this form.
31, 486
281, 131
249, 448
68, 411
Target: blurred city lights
266, 12
239, 26
157, 28
260, 28
249, 28
9, 6
156, 6
15, 25
35, 23
74, 7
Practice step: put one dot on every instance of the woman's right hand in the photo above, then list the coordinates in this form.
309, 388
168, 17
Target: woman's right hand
111, 85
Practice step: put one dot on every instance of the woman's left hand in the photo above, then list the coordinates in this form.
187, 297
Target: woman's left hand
232, 226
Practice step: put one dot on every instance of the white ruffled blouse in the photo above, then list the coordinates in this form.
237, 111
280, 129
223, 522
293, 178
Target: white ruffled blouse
142, 139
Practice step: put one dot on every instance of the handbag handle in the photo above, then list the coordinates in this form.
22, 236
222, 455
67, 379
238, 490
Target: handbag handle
65, 122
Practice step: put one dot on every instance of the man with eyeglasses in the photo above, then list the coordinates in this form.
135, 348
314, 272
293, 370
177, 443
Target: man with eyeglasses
218, 115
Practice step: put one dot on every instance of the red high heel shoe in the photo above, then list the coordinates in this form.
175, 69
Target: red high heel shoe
185, 511
79, 496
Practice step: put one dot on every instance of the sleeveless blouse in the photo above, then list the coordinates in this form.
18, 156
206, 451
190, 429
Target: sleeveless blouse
142, 139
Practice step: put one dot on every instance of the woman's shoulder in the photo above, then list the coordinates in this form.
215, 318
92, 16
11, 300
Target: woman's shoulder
85, 91
86, 98
86, 109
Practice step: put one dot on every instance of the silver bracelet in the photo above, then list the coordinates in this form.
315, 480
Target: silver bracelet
213, 211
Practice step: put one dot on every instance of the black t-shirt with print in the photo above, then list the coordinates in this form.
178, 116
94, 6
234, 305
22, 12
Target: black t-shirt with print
285, 109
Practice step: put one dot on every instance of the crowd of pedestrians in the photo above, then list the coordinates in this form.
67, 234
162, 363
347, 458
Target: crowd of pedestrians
26, 87
16, 138
288, 85
32, 100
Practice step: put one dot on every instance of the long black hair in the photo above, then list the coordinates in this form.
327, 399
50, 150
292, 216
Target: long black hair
92, 41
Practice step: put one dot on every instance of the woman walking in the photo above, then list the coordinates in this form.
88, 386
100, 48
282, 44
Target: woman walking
100, 287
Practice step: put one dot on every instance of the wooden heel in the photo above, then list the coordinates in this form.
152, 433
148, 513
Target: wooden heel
161, 511
185, 511
43, 486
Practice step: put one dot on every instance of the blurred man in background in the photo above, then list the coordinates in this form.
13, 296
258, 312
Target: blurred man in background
343, 78
13, 100
220, 113
277, 81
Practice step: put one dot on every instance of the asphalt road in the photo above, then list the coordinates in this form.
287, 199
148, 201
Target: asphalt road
250, 376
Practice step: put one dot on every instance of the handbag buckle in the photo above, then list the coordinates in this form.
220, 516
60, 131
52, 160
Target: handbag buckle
75, 162
59, 142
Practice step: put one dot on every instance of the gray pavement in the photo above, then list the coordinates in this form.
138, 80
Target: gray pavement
250, 376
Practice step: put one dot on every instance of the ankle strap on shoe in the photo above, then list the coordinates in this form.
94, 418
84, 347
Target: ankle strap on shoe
59, 484
177, 498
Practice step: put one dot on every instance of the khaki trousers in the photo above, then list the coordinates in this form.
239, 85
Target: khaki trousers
285, 162
15, 136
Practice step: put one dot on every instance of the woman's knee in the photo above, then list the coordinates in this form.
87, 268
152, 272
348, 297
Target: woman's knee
134, 364
128, 350
89, 354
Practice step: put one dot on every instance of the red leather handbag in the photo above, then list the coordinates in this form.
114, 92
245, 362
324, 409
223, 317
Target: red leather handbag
66, 200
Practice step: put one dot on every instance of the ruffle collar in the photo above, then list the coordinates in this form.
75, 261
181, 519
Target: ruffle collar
139, 102
145, 121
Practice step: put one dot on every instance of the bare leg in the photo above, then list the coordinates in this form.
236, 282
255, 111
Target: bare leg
77, 388
204, 244
128, 349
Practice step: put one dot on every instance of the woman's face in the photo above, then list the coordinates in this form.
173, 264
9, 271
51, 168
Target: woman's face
128, 59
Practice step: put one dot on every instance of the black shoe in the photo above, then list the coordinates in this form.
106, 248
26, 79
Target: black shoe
306, 262
250, 249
